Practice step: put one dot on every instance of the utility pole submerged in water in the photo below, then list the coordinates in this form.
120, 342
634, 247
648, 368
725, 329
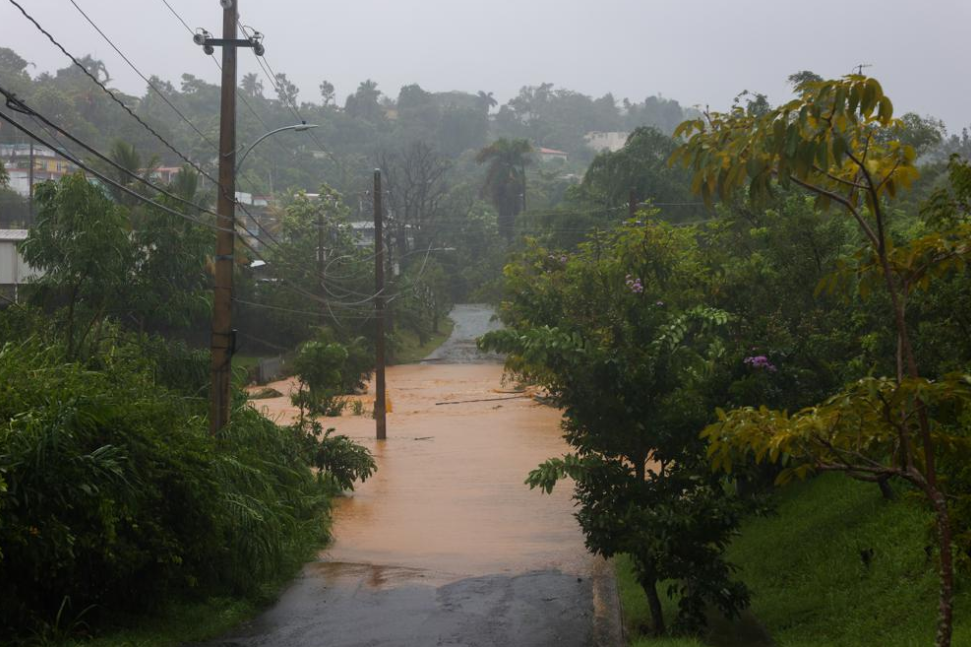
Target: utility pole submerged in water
380, 417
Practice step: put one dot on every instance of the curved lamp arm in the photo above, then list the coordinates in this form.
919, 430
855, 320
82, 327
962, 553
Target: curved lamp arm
299, 128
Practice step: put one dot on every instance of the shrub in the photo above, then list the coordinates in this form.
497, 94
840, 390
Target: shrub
114, 494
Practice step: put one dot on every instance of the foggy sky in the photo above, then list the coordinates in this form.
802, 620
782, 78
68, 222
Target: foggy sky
702, 52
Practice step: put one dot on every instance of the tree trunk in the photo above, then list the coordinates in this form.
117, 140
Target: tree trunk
945, 616
945, 607
885, 488
649, 584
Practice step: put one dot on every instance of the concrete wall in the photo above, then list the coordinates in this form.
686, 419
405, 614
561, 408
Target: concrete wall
14, 272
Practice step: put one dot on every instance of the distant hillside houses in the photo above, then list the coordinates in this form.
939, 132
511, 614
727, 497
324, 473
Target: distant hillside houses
612, 141
48, 165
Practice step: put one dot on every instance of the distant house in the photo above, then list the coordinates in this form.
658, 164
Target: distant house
609, 141
164, 174
14, 271
363, 232
48, 165
550, 154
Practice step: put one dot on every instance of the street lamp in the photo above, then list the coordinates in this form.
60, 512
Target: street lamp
297, 128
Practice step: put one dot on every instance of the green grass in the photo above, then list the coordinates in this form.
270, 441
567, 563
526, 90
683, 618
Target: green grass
810, 585
245, 362
637, 616
176, 624
409, 351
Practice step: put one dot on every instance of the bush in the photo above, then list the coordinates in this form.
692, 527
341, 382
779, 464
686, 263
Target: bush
114, 494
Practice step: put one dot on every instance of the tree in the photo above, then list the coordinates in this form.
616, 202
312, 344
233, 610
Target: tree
798, 79
610, 331
128, 158
81, 243
486, 101
286, 90
171, 287
836, 141
505, 182
252, 85
327, 92
416, 178
641, 166
364, 104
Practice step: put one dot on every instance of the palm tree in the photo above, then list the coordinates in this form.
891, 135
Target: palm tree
486, 101
505, 183
127, 157
251, 85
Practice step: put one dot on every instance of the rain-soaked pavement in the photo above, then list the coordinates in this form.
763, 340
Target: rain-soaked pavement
445, 545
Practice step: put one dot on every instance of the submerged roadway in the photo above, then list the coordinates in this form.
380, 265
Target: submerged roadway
445, 545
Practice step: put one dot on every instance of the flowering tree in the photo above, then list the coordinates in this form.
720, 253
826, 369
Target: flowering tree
839, 141
615, 334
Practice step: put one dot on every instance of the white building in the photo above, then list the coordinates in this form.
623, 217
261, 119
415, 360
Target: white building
612, 141
14, 272
550, 154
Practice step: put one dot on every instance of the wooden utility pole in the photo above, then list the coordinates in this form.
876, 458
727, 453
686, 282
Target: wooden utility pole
30, 184
320, 266
380, 417
222, 311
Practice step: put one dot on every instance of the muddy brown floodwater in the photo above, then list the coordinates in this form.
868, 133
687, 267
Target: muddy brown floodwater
446, 545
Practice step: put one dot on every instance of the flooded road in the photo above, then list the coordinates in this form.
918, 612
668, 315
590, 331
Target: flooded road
445, 545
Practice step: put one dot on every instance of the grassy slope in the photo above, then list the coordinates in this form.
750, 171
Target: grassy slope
810, 586
410, 351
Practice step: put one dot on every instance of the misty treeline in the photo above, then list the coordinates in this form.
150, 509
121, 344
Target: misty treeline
372, 121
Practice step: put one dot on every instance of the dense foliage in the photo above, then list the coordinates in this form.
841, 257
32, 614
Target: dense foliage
786, 317
113, 493
615, 333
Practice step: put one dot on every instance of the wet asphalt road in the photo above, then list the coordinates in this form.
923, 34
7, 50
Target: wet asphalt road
353, 609
445, 545
471, 322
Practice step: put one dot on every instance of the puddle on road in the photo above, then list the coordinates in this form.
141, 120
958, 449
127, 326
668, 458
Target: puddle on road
449, 500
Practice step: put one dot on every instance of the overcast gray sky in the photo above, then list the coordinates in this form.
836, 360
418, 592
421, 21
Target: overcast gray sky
700, 52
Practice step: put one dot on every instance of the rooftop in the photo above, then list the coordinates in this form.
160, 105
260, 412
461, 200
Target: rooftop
16, 235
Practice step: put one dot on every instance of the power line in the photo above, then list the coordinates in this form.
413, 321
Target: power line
270, 74
104, 178
111, 94
115, 98
240, 95
20, 106
170, 104
143, 77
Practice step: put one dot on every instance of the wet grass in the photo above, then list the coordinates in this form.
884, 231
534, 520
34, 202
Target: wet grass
637, 616
410, 351
811, 587
176, 624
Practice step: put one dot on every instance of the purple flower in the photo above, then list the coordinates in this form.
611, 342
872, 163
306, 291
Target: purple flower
634, 284
760, 362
